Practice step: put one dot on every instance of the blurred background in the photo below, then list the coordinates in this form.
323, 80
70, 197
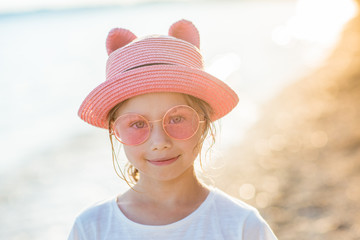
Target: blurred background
295, 65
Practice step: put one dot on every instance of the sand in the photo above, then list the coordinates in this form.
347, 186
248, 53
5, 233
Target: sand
300, 164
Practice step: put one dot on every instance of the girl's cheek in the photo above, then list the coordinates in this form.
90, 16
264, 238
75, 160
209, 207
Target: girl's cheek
132, 153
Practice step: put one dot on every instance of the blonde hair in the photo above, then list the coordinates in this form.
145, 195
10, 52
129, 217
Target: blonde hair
131, 174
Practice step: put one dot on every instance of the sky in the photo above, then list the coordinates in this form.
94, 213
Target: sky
31, 5
309, 7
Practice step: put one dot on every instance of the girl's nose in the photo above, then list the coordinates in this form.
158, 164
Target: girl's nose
158, 138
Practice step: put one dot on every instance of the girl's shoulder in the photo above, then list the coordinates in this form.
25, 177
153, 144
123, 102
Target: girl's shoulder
97, 210
231, 209
225, 202
235, 214
93, 220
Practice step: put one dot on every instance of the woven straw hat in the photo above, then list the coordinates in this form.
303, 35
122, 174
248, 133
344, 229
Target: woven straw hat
155, 64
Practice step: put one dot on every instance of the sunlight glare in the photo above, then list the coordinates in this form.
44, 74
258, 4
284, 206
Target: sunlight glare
318, 21
223, 66
247, 191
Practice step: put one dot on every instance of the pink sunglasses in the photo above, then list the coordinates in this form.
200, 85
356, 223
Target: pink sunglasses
179, 122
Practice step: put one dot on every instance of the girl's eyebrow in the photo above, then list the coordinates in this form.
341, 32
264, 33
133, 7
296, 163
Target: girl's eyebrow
147, 115
142, 114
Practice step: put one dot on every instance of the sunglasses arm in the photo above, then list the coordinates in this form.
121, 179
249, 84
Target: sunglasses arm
111, 132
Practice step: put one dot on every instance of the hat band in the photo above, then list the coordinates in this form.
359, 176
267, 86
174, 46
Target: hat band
153, 51
148, 64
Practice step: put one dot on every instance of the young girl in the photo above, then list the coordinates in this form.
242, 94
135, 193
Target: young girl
159, 104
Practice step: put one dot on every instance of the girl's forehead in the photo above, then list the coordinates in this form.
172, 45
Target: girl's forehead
152, 103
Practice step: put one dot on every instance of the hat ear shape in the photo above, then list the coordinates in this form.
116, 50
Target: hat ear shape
117, 38
185, 30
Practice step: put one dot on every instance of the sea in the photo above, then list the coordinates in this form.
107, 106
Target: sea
50, 59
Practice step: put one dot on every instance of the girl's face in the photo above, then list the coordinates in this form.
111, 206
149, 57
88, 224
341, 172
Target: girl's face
160, 157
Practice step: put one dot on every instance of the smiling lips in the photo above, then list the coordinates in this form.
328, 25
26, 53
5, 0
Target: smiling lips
163, 162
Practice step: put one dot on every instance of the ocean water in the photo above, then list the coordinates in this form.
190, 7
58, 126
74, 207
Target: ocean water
50, 60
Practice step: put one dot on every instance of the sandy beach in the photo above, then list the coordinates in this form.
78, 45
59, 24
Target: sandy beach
300, 163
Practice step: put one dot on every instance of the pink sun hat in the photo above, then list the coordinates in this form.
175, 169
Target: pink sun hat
151, 64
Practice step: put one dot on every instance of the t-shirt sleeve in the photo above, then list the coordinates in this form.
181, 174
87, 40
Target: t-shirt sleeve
76, 232
256, 228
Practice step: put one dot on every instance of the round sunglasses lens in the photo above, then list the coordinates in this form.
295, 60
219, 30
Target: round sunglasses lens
181, 122
131, 129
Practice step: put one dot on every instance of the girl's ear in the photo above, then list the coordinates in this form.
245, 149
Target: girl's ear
117, 38
185, 30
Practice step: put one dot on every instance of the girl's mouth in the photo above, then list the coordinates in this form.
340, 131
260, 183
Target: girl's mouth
163, 162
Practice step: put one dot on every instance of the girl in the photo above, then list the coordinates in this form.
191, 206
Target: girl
159, 104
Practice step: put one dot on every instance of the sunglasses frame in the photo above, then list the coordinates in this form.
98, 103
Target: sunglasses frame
154, 121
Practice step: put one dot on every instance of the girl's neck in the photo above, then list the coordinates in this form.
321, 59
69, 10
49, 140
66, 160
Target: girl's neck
182, 190
154, 202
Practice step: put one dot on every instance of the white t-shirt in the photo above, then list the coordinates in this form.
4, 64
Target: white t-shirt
218, 217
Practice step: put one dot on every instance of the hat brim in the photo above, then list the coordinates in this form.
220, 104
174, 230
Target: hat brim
157, 78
